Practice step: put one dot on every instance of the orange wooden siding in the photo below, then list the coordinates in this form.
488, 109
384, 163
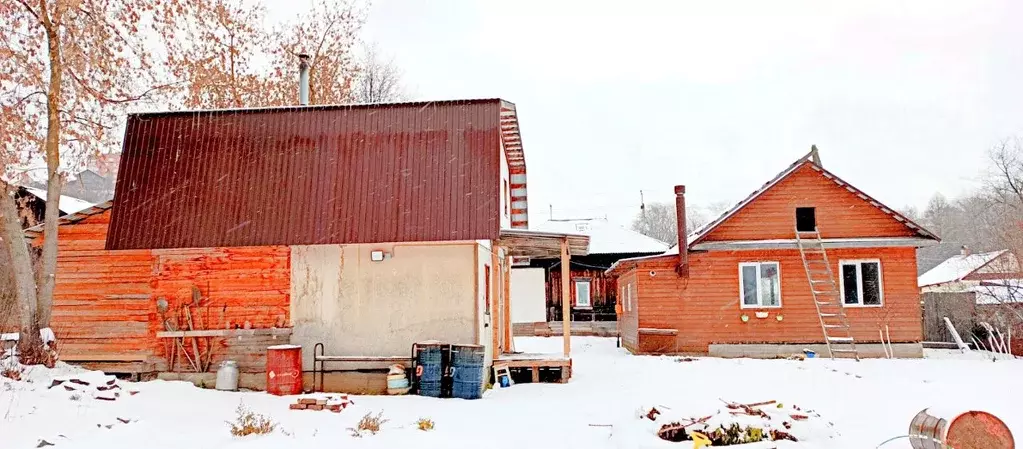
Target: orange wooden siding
705, 308
105, 301
840, 213
629, 318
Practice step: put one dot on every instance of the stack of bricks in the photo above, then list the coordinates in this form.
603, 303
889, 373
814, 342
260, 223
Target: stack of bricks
334, 403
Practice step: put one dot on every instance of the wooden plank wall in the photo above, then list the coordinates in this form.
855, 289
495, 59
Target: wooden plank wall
705, 307
105, 301
602, 291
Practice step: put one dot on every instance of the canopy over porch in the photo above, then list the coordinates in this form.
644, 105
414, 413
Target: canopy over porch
525, 243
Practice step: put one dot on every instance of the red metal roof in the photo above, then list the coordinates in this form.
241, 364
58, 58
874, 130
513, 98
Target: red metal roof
427, 171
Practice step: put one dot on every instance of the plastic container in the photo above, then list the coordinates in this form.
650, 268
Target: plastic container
227, 376
429, 368
397, 381
960, 430
467, 371
284, 370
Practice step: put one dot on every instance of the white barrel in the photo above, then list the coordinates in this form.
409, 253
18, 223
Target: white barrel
227, 376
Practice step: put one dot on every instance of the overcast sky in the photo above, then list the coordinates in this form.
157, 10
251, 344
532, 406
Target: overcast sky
902, 98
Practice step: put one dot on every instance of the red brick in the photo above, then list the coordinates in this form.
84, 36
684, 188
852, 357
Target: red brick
307, 401
314, 407
296, 406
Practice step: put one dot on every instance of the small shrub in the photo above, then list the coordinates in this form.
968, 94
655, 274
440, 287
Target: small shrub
369, 423
75, 397
250, 423
425, 424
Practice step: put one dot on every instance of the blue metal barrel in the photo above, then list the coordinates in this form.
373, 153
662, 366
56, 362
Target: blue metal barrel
429, 369
467, 371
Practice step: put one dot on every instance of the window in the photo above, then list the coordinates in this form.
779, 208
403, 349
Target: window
760, 284
861, 282
806, 219
582, 293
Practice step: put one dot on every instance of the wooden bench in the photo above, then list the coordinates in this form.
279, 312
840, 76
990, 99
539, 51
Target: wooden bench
534, 364
320, 360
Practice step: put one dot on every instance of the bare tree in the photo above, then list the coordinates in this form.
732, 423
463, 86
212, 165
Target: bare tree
378, 80
658, 220
67, 69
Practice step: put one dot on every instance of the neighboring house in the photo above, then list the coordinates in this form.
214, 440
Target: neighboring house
970, 288
593, 293
966, 270
89, 185
32, 204
365, 228
739, 287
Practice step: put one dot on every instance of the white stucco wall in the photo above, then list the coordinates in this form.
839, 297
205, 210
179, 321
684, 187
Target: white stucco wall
355, 306
528, 295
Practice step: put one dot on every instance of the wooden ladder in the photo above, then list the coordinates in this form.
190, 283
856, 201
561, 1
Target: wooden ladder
826, 296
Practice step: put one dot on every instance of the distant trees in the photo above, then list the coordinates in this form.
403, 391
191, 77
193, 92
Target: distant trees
659, 221
378, 80
227, 58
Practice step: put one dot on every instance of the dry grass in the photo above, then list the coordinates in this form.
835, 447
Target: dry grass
425, 424
250, 423
12, 372
369, 423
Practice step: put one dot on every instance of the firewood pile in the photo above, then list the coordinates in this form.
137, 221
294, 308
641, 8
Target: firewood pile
333, 402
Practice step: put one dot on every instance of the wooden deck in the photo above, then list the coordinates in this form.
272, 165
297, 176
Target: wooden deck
536, 363
555, 328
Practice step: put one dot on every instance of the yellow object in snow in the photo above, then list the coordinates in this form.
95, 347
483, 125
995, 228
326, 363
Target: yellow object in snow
700, 440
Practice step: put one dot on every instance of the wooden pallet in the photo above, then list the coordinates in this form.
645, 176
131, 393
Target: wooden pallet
535, 364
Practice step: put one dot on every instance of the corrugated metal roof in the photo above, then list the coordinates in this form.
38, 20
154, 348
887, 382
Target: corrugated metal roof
426, 171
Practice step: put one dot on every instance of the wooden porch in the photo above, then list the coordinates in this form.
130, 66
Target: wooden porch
528, 244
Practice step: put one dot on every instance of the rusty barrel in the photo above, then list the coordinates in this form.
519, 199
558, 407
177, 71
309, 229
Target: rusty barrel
967, 430
284, 370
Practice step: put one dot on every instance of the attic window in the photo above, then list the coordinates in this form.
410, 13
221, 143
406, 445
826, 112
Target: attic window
806, 219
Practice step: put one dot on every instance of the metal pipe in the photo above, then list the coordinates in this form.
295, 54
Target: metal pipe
303, 79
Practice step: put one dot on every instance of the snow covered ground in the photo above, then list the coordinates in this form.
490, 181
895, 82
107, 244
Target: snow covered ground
867, 402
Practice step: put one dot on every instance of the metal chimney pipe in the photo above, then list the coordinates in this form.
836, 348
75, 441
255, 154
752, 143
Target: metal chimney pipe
303, 79
683, 245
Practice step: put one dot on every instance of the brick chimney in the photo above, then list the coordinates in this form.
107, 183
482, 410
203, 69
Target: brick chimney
683, 246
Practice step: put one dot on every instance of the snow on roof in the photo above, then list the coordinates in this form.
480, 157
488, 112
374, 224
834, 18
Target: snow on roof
955, 268
1004, 291
68, 205
605, 237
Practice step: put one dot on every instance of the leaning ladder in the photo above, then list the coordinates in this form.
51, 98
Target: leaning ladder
826, 296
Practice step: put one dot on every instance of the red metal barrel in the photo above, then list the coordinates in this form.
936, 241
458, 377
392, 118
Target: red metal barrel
969, 430
284, 370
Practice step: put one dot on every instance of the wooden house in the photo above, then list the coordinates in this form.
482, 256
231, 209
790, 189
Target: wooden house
741, 285
593, 293
363, 228
973, 288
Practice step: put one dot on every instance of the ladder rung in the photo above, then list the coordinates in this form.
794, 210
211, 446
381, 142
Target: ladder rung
826, 292
822, 281
835, 326
843, 350
829, 315
840, 339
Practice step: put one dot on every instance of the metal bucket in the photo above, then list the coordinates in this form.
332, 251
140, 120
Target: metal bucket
968, 430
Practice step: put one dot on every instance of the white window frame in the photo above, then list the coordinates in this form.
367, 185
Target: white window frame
760, 298
589, 292
859, 280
